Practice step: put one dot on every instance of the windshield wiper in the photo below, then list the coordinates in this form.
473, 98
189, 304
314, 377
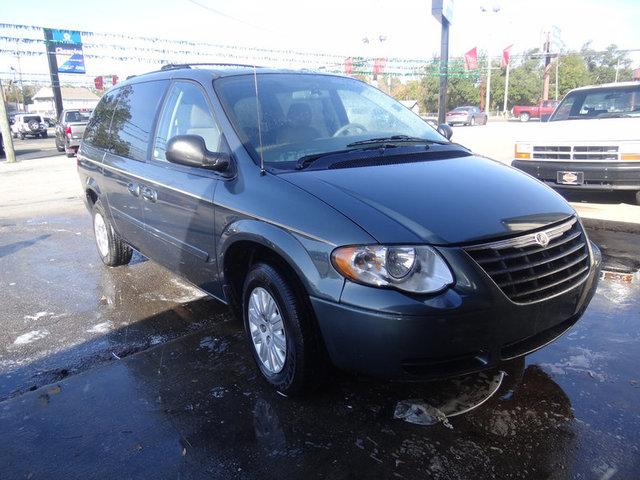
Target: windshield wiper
395, 139
304, 162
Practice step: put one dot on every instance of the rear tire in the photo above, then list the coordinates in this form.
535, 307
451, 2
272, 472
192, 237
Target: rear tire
524, 117
59, 147
112, 250
300, 364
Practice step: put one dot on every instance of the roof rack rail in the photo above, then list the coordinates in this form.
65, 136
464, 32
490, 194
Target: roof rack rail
172, 66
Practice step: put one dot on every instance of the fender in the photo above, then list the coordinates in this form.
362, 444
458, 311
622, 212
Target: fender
310, 258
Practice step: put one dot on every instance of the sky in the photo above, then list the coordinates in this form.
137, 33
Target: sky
339, 26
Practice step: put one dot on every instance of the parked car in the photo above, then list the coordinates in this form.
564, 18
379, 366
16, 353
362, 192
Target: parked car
70, 129
342, 227
543, 110
466, 116
28, 124
592, 141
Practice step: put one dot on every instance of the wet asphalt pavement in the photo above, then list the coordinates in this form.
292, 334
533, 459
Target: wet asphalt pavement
132, 373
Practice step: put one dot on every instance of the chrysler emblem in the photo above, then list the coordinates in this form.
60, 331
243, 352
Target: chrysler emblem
542, 239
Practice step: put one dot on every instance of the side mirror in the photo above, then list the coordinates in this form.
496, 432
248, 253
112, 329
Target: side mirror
445, 130
191, 150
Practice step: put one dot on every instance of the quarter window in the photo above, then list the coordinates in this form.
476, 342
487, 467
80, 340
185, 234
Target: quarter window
186, 112
133, 118
96, 133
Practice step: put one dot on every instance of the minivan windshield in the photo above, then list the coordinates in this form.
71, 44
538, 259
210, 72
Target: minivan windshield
304, 115
610, 102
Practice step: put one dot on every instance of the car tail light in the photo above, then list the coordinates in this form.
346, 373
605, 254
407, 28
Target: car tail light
68, 131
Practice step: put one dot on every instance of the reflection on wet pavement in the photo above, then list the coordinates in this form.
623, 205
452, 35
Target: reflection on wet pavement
63, 311
137, 375
195, 408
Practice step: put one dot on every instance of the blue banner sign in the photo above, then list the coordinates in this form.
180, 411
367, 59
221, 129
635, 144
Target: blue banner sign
67, 45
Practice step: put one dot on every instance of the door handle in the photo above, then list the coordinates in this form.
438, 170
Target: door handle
134, 189
149, 194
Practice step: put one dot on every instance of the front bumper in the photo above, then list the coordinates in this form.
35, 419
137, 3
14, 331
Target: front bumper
469, 327
597, 175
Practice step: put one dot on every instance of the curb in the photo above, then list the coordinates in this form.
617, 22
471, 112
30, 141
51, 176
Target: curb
610, 225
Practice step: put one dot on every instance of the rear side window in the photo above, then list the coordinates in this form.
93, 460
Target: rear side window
96, 133
133, 118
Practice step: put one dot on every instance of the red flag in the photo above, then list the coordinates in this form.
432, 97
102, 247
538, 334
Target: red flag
471, 59
378, 65
505, 56
348, 66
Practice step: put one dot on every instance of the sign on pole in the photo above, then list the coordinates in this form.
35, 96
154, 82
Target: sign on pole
67, 45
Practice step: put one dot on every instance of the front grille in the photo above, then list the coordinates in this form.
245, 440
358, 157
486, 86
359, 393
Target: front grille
576, 152
528, 272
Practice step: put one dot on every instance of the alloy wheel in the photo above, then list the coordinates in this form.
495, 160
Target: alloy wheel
102, 237
267, 330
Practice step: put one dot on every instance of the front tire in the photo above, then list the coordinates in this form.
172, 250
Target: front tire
112, 250
281, 331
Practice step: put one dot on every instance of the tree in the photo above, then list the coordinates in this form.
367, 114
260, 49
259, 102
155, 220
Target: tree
602, 65
572, 73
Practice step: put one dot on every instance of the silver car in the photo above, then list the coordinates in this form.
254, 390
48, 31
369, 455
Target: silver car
466, 116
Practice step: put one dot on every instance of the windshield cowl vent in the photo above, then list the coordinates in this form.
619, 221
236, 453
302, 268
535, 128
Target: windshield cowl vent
397, 159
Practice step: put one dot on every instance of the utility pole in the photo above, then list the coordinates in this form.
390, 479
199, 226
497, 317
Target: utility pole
617, 69
488, 91
557, 72
24, 104
506, 90
547, 65
7, 140
53, 71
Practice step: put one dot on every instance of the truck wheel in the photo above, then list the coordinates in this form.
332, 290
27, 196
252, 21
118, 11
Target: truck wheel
59, 147
281, 331
524, 117
44, 135
112, 250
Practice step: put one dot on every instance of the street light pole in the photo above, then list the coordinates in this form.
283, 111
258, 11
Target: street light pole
444, 70
487, 100
443, 11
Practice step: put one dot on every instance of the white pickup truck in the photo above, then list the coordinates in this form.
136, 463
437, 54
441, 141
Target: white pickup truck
592, 141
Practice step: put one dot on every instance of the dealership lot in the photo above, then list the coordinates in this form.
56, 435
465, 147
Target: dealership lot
137, 371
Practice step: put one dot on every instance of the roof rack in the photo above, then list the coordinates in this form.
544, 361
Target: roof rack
173, 66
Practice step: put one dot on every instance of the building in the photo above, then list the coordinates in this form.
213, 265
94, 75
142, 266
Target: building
72, 97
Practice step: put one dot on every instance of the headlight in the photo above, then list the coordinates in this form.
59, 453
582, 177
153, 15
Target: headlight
630, 151
418, 269
523, 150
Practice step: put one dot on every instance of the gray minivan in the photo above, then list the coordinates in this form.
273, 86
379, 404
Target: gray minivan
343, 228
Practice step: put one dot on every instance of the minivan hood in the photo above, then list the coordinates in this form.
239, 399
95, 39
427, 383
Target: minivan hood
593, 130
440, 202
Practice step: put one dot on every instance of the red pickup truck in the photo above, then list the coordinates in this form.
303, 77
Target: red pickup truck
543, 109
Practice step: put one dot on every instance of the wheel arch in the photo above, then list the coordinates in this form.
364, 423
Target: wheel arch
248, 241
